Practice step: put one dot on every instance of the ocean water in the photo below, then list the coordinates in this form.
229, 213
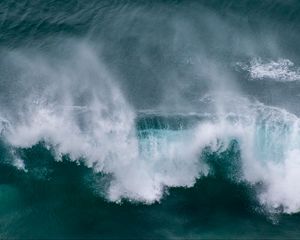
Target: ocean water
149, 119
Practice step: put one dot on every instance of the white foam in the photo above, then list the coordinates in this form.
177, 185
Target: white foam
270, 148
19, 164
282, 70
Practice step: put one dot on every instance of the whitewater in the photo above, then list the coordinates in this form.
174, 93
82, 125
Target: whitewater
97, 125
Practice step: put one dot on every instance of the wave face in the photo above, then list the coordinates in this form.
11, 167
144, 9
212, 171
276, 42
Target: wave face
181, 114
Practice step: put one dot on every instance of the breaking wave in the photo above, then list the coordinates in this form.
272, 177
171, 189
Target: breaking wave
146, 152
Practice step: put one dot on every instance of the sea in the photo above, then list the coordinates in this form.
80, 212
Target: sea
149, 119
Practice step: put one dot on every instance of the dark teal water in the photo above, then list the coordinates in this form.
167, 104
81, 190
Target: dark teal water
55, 200
85, 84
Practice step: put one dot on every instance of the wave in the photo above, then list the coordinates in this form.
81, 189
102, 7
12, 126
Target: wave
147, 152
88, 98
268, 139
